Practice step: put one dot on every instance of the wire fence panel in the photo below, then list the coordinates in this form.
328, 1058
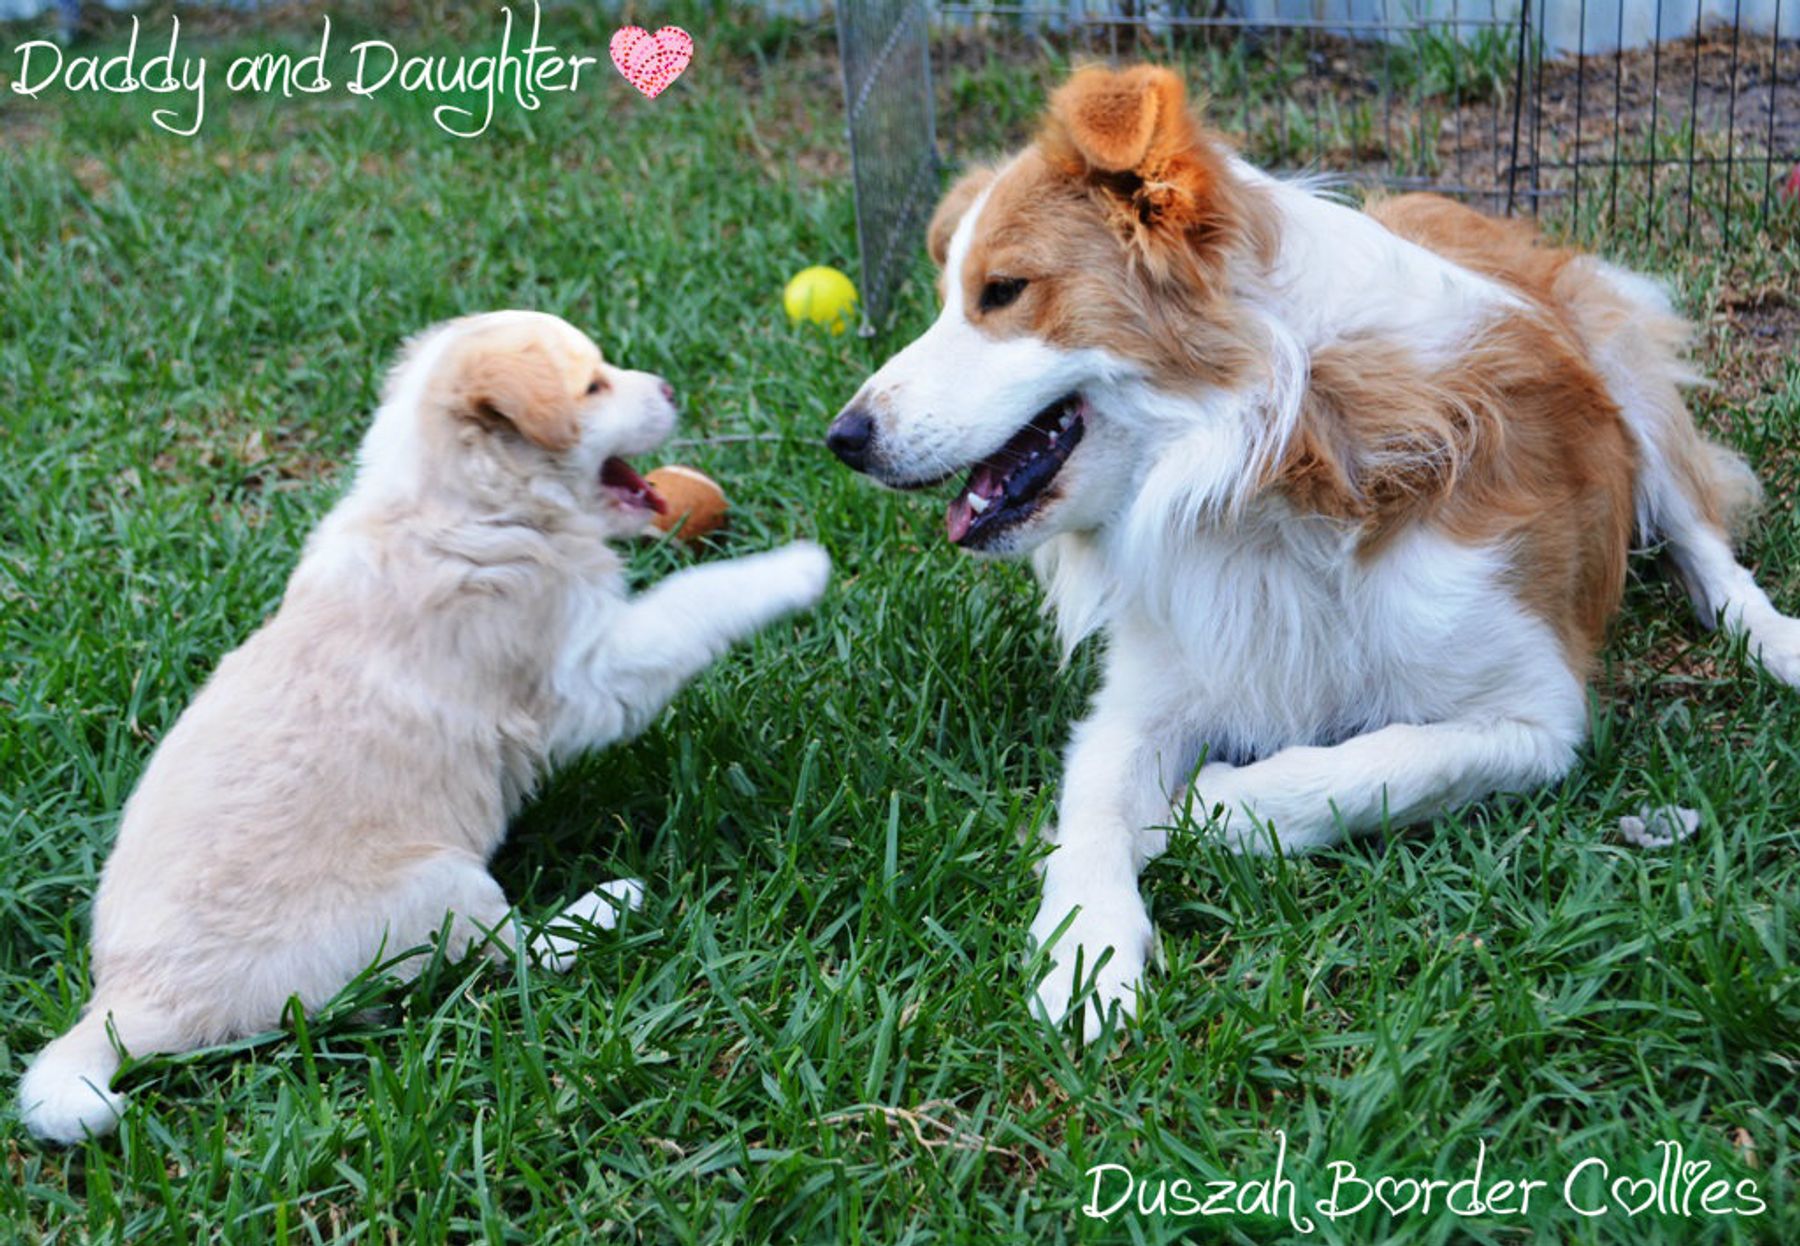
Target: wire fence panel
884, 46
1674, 120
1687, 138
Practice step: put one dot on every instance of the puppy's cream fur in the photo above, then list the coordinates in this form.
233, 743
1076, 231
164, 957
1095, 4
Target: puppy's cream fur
456, 624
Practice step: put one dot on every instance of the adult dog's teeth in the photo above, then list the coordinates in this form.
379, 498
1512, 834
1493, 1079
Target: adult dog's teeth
977, 503
1067, 420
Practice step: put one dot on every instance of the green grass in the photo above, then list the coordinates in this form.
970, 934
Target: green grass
814, 1031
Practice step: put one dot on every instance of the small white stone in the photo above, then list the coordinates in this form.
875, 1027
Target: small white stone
1660, 827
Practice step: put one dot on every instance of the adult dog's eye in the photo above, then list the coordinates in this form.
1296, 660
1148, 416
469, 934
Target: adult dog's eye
1000, 292
596, 385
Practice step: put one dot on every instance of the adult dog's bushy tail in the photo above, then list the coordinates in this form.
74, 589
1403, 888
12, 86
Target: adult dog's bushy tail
63, 1096
1692, 494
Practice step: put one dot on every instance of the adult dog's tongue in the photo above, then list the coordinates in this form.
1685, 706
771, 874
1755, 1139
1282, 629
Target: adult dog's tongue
957, 518
985, 485
1007, 487
629, 488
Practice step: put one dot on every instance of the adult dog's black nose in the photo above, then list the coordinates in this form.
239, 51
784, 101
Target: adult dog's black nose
852, 438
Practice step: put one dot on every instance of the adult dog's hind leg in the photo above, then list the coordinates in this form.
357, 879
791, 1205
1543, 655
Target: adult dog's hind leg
1691, 492
1312, 797
1726, 595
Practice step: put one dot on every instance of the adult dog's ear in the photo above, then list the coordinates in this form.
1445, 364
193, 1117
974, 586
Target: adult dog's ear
508, 378
952, 208
1129, 134
1124, 121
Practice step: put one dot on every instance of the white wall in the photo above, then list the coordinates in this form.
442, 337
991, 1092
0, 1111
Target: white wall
1609, 23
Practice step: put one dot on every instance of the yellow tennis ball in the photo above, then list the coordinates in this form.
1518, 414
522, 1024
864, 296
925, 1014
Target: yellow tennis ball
822, 295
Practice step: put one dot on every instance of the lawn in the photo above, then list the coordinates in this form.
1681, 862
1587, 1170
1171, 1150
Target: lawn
814, 1030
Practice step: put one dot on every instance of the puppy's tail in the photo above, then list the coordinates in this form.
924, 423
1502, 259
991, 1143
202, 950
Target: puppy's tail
1692, 494
63, 1096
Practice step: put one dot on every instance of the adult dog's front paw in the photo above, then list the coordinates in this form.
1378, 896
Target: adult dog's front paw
1111, 925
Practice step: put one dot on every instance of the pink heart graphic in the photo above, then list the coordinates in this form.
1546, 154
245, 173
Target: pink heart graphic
651, 62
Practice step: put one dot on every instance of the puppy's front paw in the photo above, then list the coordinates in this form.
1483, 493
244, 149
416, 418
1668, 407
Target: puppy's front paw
601, 909
1111, 918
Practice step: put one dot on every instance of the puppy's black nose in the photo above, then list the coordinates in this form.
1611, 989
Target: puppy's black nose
851, 437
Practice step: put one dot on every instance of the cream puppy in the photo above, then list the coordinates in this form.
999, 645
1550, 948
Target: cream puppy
457, 624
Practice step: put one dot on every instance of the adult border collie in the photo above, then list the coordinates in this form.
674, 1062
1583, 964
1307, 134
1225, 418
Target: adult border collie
1349, 493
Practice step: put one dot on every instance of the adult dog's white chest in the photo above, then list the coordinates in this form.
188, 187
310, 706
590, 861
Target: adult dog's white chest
1279, 632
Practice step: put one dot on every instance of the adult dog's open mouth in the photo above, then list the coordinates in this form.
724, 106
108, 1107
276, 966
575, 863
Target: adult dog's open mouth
1005, 488
629, 489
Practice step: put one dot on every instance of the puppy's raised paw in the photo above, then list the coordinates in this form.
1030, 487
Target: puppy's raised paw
799, 572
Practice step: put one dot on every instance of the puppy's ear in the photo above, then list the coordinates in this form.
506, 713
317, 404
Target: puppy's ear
505, 379
951, 209
1130, 135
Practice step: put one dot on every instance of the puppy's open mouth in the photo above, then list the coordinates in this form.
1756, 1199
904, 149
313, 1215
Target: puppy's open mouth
1007, 487
628, 489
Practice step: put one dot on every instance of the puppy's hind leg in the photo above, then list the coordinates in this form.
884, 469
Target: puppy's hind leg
65, 1094
454, 888
602, 908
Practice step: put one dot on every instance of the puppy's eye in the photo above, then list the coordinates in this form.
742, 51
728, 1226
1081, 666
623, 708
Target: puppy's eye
1001, 292
595, 386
